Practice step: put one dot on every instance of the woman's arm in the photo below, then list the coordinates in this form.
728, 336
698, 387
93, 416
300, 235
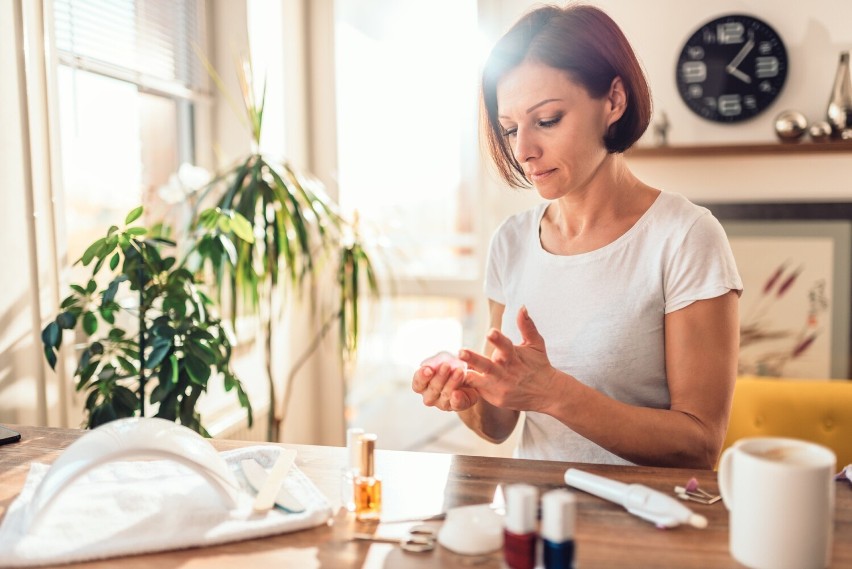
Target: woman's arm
702, 343
489, 422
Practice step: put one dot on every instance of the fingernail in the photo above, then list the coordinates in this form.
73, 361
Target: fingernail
526, 312
428, 372
463, 354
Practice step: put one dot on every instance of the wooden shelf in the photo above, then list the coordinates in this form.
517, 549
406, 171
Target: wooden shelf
770, 148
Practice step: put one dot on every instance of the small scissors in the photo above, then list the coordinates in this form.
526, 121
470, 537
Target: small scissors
419, 539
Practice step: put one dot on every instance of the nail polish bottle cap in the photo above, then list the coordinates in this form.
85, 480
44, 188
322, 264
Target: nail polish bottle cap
521, 508
353, 446
558, 515
368, 446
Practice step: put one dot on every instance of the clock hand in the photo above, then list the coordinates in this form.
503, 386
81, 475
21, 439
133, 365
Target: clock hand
739, 75
740, 56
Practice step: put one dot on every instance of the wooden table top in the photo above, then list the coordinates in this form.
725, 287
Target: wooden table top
421, 484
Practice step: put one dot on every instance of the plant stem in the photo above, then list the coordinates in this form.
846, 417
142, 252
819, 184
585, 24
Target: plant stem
303, 359
271, 423
141, 348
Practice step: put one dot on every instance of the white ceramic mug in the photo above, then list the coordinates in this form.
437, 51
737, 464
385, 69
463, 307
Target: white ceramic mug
780, 494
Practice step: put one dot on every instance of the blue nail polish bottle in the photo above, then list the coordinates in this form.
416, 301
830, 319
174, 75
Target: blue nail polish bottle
559, 512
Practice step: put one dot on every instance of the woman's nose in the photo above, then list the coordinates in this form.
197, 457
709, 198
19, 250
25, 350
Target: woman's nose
526, 147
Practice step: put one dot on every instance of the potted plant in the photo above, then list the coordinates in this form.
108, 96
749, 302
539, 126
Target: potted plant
170, 334
298, 232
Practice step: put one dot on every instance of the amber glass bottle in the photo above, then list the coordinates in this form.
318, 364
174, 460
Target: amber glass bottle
368, 487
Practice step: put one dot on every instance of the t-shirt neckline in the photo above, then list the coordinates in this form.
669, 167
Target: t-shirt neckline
600, 251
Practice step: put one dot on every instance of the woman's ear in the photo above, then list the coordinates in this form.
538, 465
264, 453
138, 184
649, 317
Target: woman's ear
616, 101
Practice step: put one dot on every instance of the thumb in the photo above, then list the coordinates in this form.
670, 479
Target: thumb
529, 332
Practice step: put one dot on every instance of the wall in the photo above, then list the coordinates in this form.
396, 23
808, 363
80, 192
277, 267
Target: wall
814, 34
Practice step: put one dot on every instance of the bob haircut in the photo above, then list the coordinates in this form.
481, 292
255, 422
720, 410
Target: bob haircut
590, 47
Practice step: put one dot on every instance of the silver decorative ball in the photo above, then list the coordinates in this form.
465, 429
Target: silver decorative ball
820, 131
790, 125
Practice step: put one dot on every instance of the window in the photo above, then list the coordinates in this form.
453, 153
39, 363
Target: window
407, 85
128, 81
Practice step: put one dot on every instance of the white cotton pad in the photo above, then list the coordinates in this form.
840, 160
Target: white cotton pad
472, 530
442, 357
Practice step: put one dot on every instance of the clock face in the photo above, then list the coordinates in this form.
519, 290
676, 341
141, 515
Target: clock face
731, 69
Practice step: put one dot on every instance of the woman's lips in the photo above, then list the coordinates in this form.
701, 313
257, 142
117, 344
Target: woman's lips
538, 176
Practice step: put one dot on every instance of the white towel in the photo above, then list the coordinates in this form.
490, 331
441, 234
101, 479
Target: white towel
127, 508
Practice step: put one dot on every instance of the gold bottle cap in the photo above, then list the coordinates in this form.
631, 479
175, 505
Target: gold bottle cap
368, 446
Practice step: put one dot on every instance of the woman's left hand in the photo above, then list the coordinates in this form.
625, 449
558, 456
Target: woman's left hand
516, 377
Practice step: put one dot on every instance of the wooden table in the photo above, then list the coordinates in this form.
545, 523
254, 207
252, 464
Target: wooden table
420, 484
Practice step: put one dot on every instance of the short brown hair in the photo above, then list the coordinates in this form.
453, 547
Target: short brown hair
587, 44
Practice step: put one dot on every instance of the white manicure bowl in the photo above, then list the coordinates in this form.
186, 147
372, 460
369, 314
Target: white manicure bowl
133, 438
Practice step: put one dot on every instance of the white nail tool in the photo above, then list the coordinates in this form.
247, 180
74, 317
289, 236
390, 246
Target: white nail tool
269, 489
649, 504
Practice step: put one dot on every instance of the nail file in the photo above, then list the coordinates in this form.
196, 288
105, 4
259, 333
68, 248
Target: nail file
269, 485
641, 501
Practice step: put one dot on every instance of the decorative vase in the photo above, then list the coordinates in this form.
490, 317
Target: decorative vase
790, 126
839, 113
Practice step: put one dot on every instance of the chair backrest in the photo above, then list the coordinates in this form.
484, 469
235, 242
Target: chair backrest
817, 410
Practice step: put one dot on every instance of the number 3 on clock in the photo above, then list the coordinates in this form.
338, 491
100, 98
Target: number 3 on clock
731, 68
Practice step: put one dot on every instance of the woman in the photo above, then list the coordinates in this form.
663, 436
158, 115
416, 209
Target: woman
613, 305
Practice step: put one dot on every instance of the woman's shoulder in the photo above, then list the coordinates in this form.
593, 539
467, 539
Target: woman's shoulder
676, 211
521, 223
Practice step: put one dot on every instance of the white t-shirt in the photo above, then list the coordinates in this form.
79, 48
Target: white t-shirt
601, 313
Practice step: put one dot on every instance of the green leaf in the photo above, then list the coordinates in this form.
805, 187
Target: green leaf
157, 354
90, 323
66, 320
199, 372
102, 414
51, 335
224, 224
50, 356
113, 262
89, 254
242, 228
123, 396
161, 391
91, 287
202, 352
107, 314
174, 363
135, 231
133, 215
127, 365
92, 399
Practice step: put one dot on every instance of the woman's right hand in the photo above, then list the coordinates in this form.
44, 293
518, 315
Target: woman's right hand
442, 386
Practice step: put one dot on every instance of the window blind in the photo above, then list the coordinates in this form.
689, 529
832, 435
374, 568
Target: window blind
147, 42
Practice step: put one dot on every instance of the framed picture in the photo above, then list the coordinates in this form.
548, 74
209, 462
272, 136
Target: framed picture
795, 260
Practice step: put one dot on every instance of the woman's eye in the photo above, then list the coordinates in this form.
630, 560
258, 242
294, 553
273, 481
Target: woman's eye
547, 123
509, 131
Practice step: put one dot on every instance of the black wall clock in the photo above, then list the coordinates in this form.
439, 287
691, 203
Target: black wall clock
731, 69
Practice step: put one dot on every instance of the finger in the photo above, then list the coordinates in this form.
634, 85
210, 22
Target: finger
499, 340
464, 398
421, 379
432, 393
528, 330
475, 361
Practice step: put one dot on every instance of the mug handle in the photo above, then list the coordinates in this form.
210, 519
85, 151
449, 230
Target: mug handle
725, 476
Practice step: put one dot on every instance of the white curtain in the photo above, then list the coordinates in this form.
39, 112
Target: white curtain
30, 393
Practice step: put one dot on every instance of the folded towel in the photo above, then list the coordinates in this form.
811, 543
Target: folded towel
132, 507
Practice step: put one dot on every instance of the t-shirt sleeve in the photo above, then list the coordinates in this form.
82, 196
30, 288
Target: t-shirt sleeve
702, 267
494, 265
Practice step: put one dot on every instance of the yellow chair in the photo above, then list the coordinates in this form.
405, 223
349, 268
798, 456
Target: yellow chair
818, 410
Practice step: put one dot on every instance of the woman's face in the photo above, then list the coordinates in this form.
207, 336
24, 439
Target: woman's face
554, 128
